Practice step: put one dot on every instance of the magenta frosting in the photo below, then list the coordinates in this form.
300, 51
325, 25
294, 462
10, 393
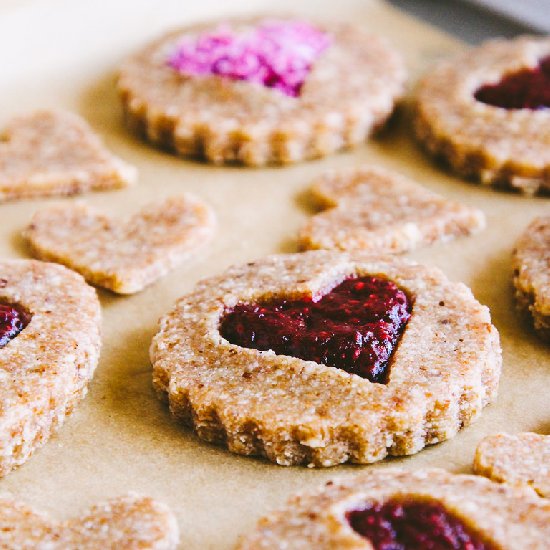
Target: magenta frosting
276, 54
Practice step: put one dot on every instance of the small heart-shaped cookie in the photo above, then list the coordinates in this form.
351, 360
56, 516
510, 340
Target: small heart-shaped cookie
377, 210
47, 362
123, 256
56, 153
123, 523
522, 459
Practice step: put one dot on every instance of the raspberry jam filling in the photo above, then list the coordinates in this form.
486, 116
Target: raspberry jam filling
525, 89
410, 525
355, 327
13, 319
276, 54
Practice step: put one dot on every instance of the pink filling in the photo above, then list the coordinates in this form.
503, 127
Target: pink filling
276, 54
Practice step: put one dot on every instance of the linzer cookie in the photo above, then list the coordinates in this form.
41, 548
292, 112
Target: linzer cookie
323, 357
49, 348
522, 459
126, 522
123, 256
531, 264
56, 153
407, 510
373, 209
487, 113
260, 91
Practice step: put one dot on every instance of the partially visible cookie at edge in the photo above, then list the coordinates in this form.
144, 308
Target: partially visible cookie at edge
51, 153
122, 255
127, 522
531, 265
522, 459
360, 512
374, 209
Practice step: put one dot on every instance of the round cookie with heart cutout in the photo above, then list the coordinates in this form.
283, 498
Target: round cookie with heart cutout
487, 113
406, 510
324, 357
262, 90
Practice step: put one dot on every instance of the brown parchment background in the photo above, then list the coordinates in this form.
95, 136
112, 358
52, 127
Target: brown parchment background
63, 53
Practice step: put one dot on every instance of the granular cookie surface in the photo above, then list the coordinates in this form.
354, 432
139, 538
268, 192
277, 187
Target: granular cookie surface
123, 256
531, 265
461, 512
326, 89
458, 117
128, 522
522, 459
373, 209
444, 370
49, 153
46, 367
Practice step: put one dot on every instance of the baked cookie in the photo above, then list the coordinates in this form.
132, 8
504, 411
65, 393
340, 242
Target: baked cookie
522, 459
486, 112
50, 153
261, 91
373, 209
393, 508
323, 357
531, 264
129, 522
49, 348
123, 256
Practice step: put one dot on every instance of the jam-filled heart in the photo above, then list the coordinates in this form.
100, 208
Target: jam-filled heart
414, 525
355, 327
276, 54
525, 89
13, 319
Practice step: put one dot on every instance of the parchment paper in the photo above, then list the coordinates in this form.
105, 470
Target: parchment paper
63, 53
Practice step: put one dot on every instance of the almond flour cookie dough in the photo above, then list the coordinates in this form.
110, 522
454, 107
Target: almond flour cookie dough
49, 348
399, 509
124, 523
261, 91
531, 264
49, 153
374, 209
394, 357
487, 113
123, 256
522, 459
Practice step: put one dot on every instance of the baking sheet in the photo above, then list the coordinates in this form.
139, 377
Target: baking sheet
63, 53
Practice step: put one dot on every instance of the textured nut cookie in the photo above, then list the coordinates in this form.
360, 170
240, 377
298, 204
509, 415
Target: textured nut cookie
350, 89
373, 209
531, 264
507, 145
123, 256
444, 371
522, 459
128, 522
49, 348
453, 511
50, 153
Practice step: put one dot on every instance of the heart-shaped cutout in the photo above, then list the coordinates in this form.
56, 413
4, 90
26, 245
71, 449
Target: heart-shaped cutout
411, 524
523, 89
125, 522
371, 208
13, 319
123, 256
276, 54
354, 327
56, 153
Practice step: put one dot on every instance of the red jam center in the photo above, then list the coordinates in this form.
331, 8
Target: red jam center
355, 327
413, 525
276, 54
13, 320
525, 89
